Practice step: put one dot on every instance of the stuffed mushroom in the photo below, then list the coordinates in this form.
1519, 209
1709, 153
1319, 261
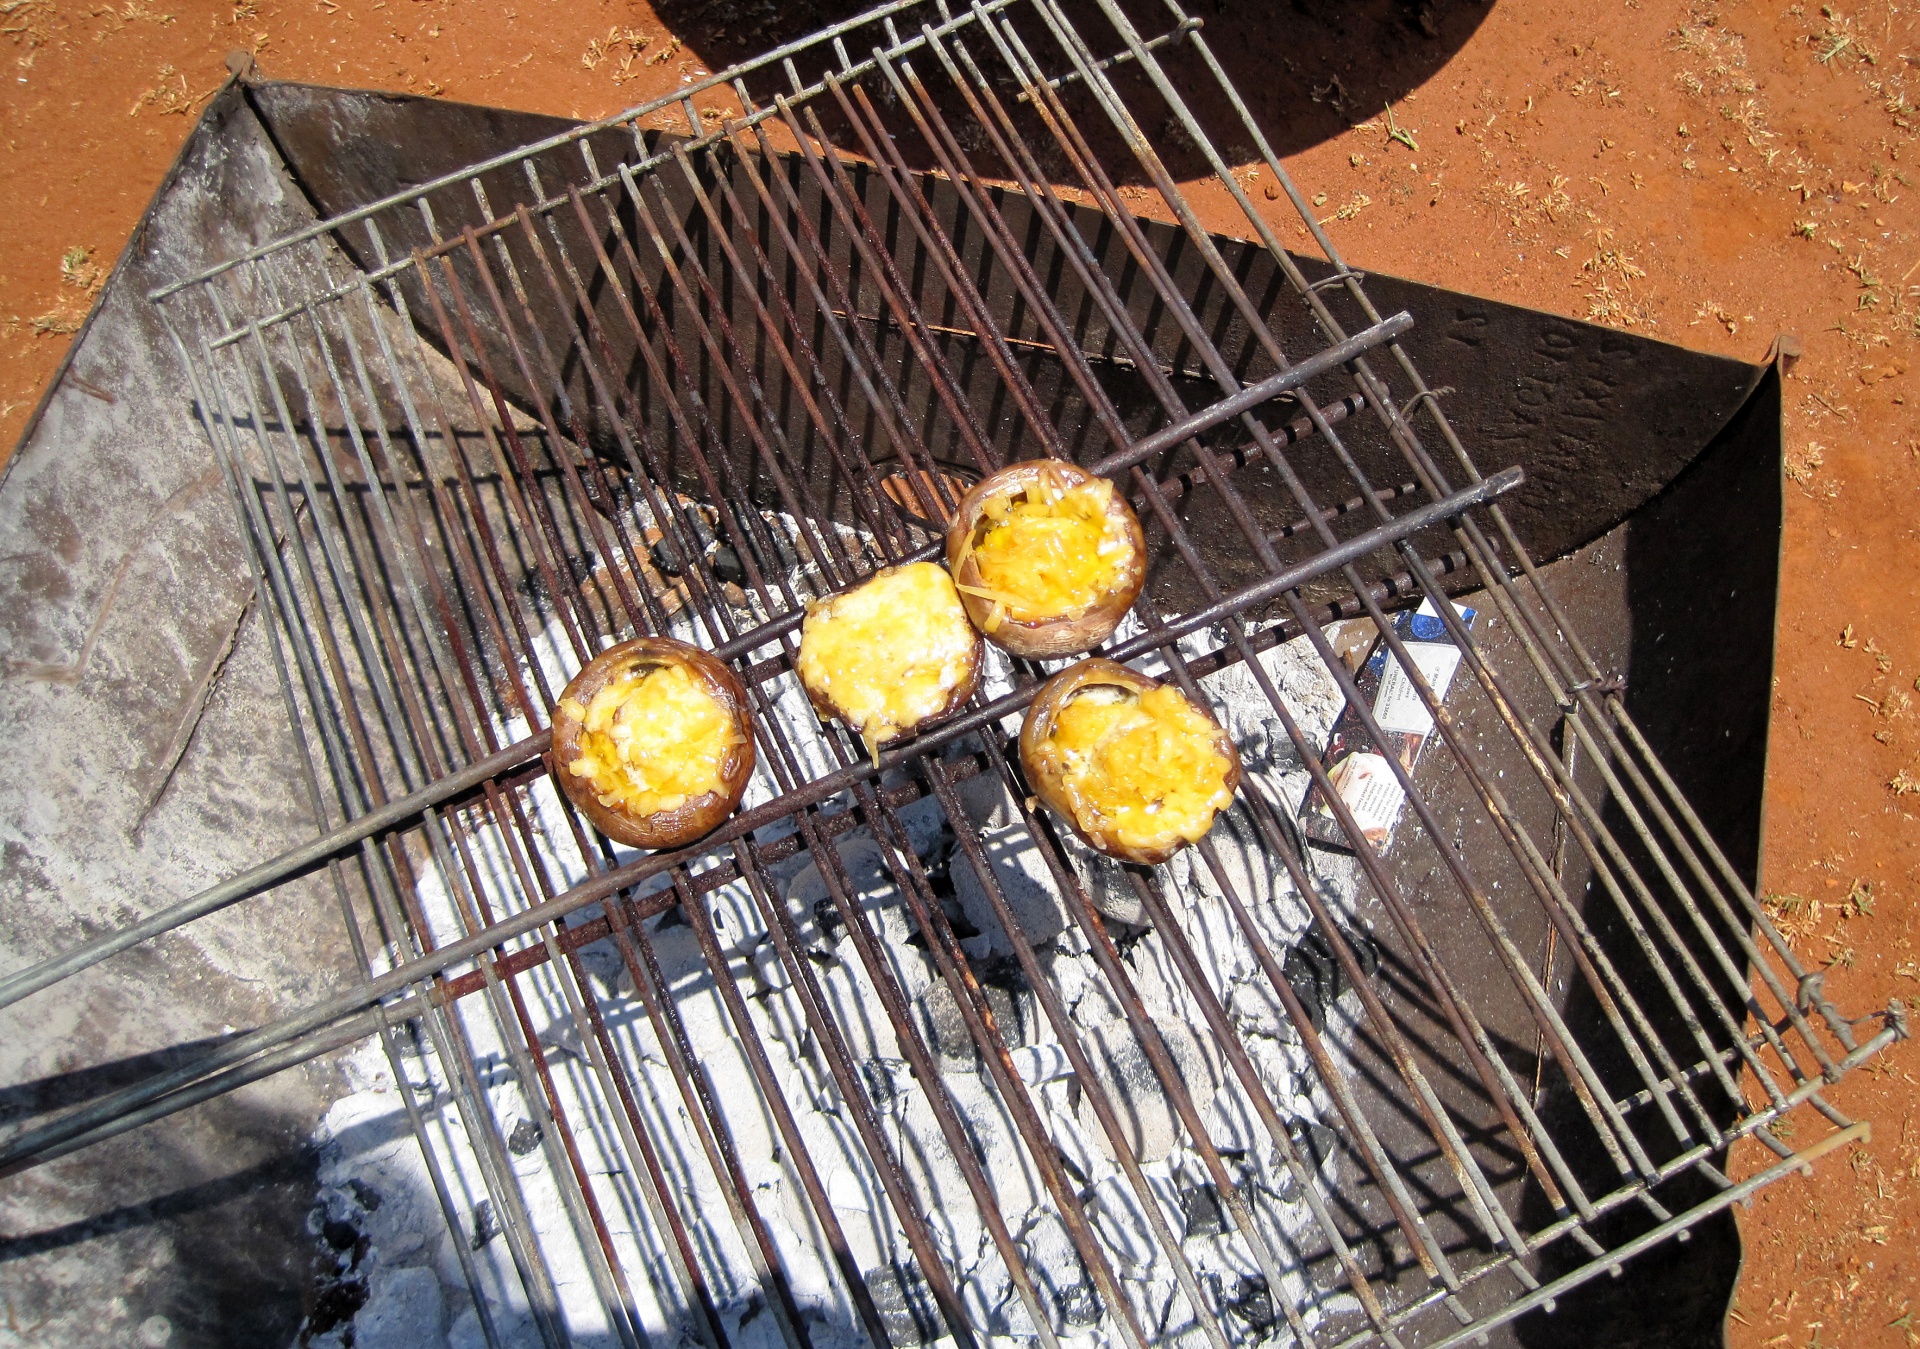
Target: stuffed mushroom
891, 653
1129, 762
653, 742
1048, 558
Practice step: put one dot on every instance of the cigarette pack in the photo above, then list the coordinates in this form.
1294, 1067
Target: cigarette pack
1355, 761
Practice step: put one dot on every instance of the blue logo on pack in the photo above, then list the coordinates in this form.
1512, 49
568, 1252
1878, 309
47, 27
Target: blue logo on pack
1425, 625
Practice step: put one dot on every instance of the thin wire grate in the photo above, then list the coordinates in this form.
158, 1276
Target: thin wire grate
689, 369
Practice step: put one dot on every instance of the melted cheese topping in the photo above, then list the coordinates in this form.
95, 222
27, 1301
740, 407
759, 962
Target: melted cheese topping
888, 654
653, 739
1047, 553
1145, 770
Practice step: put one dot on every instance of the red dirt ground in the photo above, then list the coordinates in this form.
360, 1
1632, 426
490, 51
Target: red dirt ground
1707, 173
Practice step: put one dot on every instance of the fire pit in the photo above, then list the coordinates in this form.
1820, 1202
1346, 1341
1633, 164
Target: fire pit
888, 1055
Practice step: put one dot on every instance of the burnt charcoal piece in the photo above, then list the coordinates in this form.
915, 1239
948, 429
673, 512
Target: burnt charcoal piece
1315, 972
524, 1138
335, 1303
666, 556
1314, 976
826, 917
906, 1307
1314, 1139
946, 1028
669, 553
485, 1226
727, 566
1200, 1207
1253, 1304
883, 1080
1080, 1305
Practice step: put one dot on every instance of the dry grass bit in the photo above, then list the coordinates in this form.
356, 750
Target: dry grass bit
1612, 273
1802, 464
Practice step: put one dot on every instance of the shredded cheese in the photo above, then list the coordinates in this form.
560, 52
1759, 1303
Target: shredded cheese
888, 654
1045, 552
652, 739
1145, 769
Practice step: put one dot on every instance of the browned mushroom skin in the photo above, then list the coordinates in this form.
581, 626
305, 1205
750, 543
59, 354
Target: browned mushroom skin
698, 815
1044, 638
1044, 773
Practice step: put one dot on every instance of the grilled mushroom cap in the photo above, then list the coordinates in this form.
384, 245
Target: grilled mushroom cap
699, 736
1095, 571
1186, 772
893, 652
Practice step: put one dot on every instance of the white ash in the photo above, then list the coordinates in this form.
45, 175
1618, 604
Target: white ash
375, 1181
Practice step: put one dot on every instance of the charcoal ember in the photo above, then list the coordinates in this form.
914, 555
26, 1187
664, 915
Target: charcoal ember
1042, 1063
1252, 1304
770, 972
1201, 1211
1366, 951
1123, 1226
1313, 975
1314, 1140
485, 1226
869, 884
737, 923
985, 797
887, 1081
1230, 1120
524, 1138
668, 557
1066, 1293
404, 1307
1108, 886
1080, 1305
1316, 975
727, 567
1147, 1118
1147, 1124
905, 1305
826, 919
1245, 861
946, 1028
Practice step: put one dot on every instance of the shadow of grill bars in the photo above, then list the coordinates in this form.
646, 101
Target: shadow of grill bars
690, 368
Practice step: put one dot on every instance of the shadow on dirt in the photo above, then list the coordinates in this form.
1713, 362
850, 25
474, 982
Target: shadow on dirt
1308, 69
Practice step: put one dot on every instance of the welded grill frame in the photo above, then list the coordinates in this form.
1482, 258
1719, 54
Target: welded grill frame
398, 682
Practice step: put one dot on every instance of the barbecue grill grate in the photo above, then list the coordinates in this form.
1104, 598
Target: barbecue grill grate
687, 369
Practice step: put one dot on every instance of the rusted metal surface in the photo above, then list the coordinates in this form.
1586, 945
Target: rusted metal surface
631, 381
